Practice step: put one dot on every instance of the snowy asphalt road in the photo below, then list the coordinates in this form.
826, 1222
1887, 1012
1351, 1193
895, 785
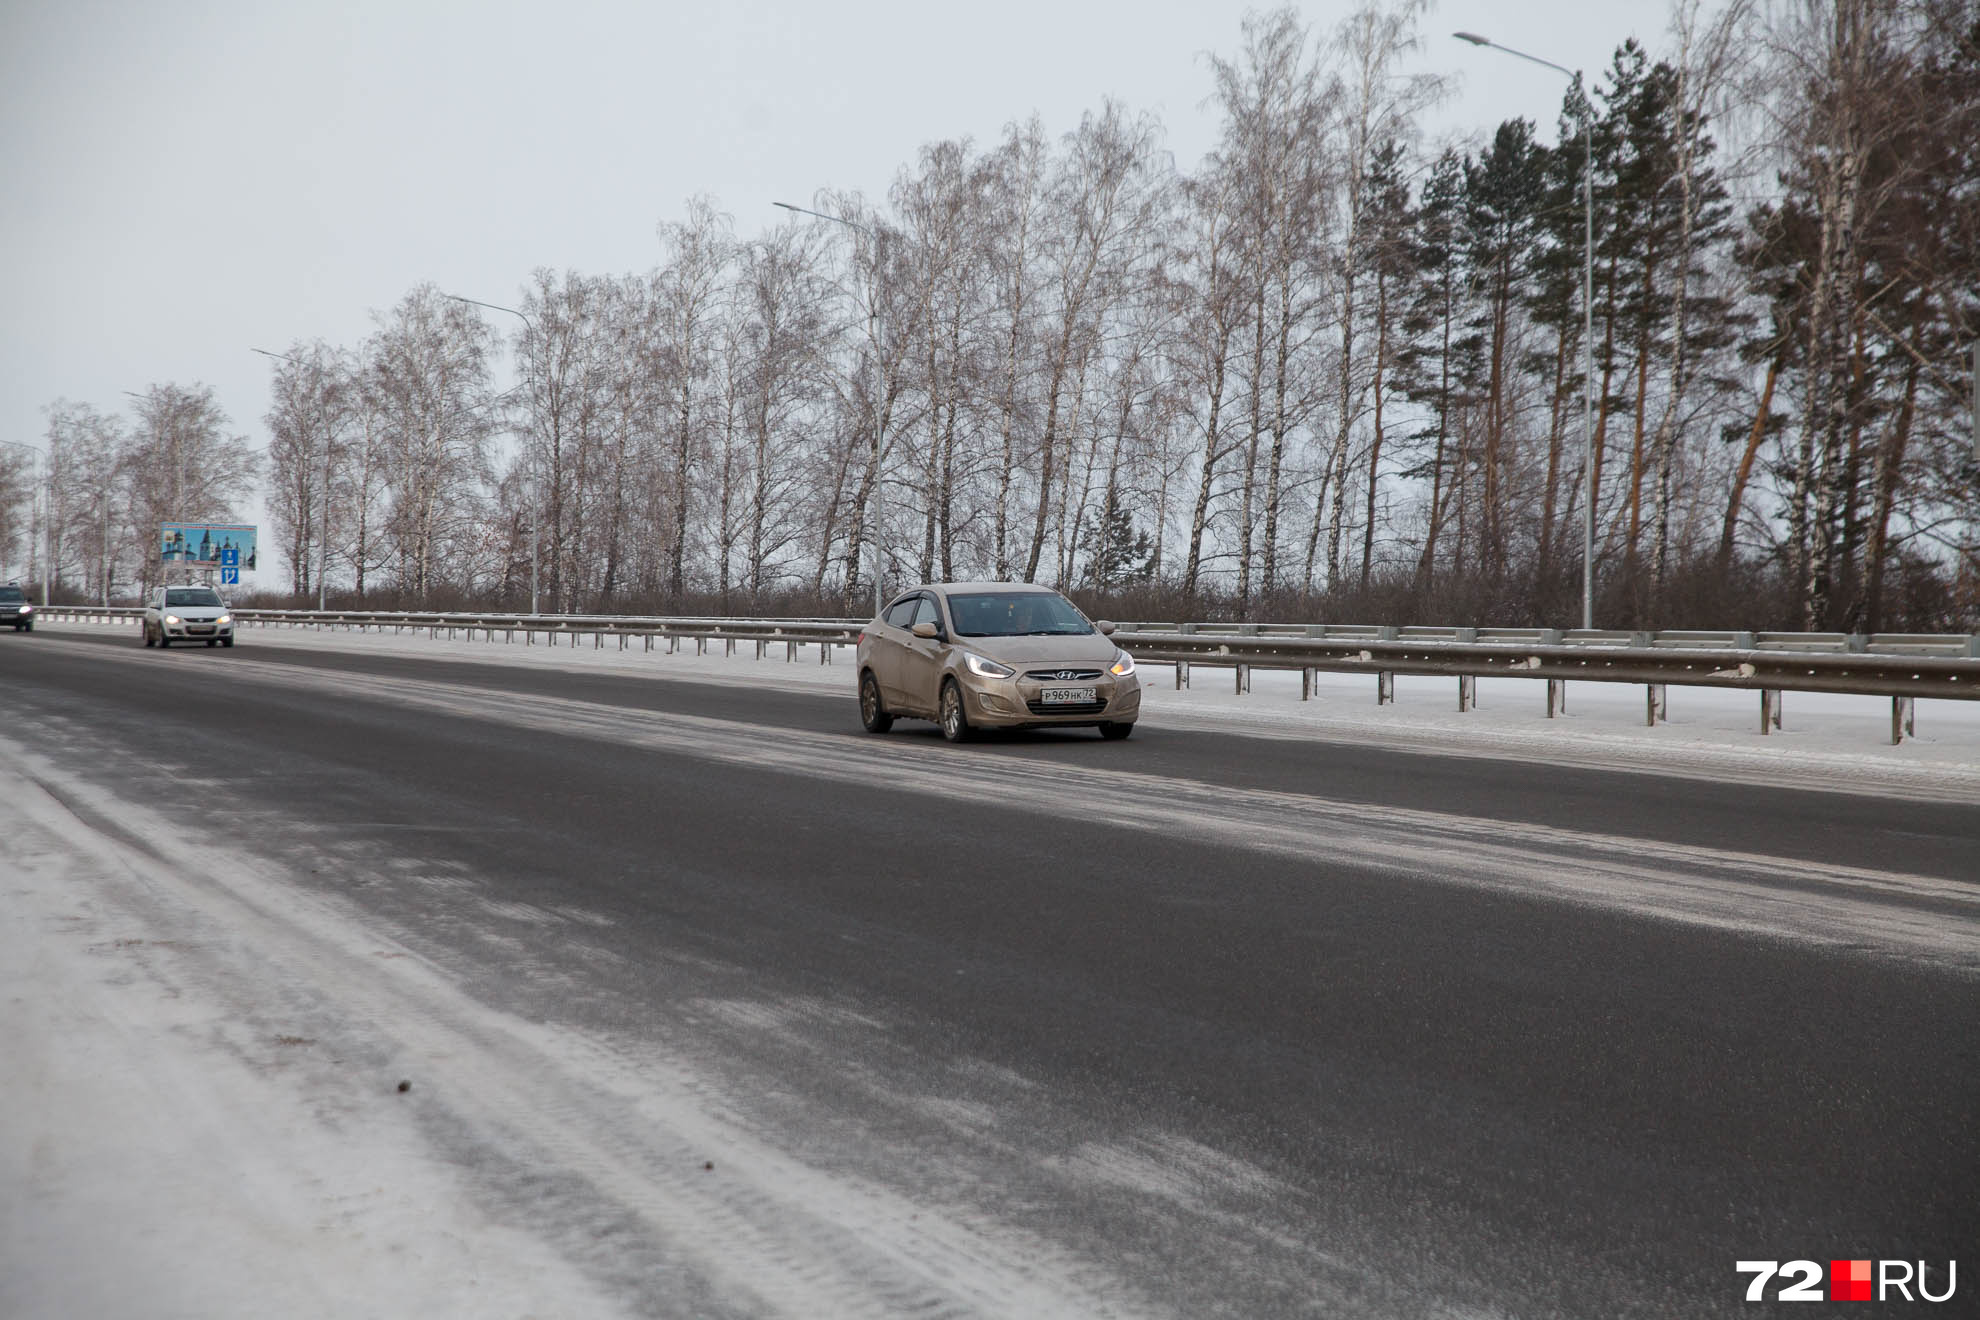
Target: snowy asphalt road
1195, 1024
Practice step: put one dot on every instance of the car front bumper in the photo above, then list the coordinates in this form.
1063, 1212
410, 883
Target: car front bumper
1010, 703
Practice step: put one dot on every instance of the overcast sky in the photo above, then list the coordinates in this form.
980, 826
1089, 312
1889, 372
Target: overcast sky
184, 182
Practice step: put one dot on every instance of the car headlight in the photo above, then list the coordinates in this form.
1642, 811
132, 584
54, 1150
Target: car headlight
171, 618
1123, 664
983, 667
225, 618
27, 609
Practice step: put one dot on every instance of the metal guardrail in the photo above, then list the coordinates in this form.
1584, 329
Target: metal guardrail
1902, 666
1944, 644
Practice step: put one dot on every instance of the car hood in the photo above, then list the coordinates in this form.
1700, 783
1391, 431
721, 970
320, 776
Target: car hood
1091, 649
193, 613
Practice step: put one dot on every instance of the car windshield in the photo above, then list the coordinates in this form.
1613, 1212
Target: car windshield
192, 596
1016, 614
11, 594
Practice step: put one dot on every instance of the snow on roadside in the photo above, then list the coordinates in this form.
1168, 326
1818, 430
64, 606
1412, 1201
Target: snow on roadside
1828, 741
159, 1160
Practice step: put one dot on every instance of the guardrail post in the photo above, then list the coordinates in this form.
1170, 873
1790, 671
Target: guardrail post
1306, 679
1243, 679
759, 649
1973, 647
824, 653
700, 647
1467, 691
1556, 697
1465, 636
1743, 641
1902, 720
1655, 703
728, 647
790, 652
1856, 644
1182, 674
1770, 710
1385, 688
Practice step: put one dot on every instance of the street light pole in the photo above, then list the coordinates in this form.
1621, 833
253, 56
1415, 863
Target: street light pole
323, 541
535, 475
1587, 328
46, 462
879, 386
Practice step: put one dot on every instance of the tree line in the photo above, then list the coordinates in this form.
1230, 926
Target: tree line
1333, 370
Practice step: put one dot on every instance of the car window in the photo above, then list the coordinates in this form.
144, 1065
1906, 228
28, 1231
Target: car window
1016, 614
926, 612
11, 594
184, 596
901, 611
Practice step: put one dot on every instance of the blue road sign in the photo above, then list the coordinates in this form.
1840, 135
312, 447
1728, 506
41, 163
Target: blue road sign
230, 556
230, 576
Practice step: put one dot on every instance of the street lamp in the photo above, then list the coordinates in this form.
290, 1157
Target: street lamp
1587, 329
323, 541
879, 384
46, 461
535, 476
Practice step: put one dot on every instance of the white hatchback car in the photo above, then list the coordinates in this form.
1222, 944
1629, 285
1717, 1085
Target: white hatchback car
187, 614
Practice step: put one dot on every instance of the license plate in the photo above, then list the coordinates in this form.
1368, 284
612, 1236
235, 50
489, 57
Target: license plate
1064, 696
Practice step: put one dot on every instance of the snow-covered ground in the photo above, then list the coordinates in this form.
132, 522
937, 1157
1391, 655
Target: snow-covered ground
199, 1092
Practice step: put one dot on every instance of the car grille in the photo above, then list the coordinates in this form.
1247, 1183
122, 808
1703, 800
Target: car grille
1063, 708
198, 629
1063, 675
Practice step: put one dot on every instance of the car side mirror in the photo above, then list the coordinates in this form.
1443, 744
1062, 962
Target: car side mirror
1106, 627
927, 632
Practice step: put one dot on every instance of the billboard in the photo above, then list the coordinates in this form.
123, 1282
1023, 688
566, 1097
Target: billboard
207, 545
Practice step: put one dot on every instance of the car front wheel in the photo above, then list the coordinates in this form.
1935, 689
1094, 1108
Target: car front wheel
955, 722
1117, 730
149, 641
872, 713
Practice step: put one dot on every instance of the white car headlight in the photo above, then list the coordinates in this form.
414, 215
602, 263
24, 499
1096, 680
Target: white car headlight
1123, 664
27, 609
171, 618
983, 667
225, 618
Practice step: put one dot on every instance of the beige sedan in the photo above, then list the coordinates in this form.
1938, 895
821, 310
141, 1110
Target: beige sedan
993, 655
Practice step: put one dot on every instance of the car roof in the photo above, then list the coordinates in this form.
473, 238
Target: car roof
950, 587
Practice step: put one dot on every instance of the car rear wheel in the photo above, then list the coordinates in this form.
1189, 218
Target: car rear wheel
1117, 730
955, 722
872, 713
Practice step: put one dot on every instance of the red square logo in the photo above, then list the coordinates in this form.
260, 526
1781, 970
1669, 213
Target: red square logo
1849, 1280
